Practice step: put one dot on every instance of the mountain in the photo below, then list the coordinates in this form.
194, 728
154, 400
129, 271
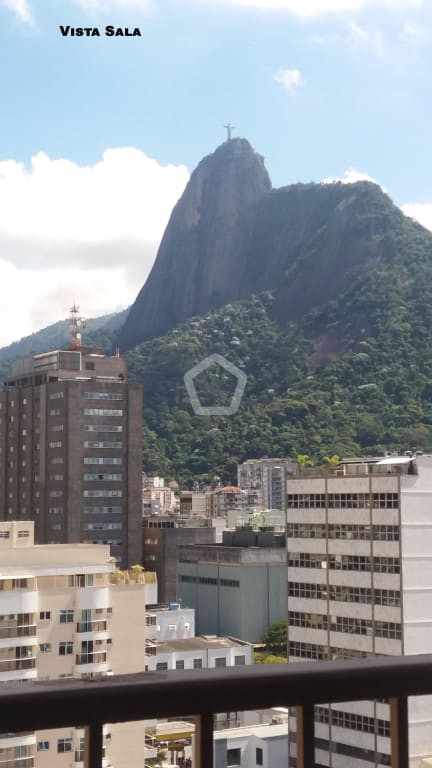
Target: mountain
232, 235
320, 293
198, 266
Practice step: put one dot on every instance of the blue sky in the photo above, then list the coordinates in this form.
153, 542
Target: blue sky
114, 125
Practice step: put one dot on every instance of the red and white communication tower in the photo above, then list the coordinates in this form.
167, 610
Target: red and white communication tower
76, 324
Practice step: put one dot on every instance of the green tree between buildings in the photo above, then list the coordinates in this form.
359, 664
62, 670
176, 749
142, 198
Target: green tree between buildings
275, 638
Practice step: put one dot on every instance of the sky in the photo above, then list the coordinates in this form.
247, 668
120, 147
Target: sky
98, 134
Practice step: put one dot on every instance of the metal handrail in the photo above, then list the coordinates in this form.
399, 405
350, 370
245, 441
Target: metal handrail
123, 698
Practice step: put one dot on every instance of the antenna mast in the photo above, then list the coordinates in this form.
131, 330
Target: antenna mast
76, 323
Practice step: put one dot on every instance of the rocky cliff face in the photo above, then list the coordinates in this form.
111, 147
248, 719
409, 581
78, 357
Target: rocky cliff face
230, 236
198, 267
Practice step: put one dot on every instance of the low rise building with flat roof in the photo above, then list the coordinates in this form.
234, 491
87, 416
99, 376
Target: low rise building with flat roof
201, 652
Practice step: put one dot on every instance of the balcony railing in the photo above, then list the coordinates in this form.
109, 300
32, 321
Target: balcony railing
22, 762
92, 626
12, 665
123, 698
28, 630
99, 657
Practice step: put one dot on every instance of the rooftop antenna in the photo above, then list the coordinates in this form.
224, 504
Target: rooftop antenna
229, 128
76, 323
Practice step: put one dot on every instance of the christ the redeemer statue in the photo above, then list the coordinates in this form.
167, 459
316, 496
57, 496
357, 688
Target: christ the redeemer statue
229, 129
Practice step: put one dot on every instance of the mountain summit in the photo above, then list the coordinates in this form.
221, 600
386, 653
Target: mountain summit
197, 268
231, 235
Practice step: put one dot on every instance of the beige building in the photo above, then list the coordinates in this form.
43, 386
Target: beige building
61, 616
359, 542
71, 450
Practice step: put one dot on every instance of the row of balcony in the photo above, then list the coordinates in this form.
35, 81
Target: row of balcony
91, 626
27, 630
12, 665
97, 657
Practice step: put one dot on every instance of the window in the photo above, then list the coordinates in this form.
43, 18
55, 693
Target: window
65, 648
102, 494
4, 534
103, 428
259, 757
19, 584
102, 460
64, 745
102, 510
102, 526
66, 616
103, 395
42, 746
220, 661
197, 664
102, 444
104, 477
172, 627
161, 666
45, 647
81, 580
233, 757
23, 534
179, 664
45, 615
103, 412
238, 660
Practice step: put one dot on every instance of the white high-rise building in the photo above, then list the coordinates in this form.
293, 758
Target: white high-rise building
359, 542
269, 475
60, 617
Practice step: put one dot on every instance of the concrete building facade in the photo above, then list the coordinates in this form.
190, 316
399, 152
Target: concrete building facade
71, 450
359, 544
235, 590
62, 617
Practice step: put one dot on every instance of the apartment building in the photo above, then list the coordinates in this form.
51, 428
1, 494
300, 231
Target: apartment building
237, 588
359, 543
71, 450
230, 499
157, 498
269, 476
62, 617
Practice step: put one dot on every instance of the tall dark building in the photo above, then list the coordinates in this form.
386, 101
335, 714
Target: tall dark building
162, 537
70, 450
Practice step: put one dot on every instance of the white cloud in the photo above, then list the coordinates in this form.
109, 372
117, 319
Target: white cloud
421, 212
108, 5
289, 78
20, 7
351, 176
84, 232
308, 8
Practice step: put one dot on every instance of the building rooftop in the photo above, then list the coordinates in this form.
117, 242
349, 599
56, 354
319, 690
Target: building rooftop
200, 643
264, 731
221, 553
